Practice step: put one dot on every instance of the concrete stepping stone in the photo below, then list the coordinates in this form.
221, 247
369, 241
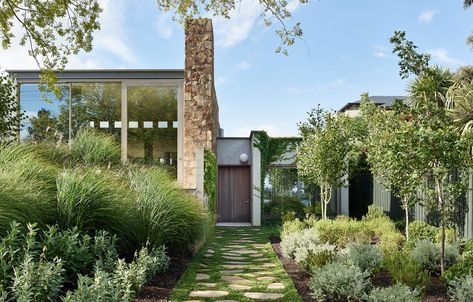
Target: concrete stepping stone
231, 271
191, 301
263, 273
234, 266
203, 265
269, 265
245, 252
259, 246
235, 279
234, 257
239, 287
276, 285
256, 255
238, 262
226, 301
263, 296
262, 259
200, 277
236, 246
208, 293
266, 278
207, 284
208, 255
210, 251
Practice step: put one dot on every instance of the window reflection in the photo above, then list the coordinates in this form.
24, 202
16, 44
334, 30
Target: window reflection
46, 116
97, 105
152, 114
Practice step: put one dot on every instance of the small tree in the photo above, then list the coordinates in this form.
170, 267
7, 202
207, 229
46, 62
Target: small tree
441, 146
392, 152
323, 153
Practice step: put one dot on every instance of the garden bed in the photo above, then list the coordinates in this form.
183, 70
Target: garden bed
160, 287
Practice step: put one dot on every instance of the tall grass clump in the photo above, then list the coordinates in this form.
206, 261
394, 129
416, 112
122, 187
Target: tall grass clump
91, 147
168, 215
27, 190
91, 200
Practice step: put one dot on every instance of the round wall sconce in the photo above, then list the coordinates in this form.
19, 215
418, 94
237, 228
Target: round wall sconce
244, 158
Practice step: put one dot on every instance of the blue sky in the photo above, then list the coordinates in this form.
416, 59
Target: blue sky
346, 52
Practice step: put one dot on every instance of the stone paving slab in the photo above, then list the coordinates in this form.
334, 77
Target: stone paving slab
208, 293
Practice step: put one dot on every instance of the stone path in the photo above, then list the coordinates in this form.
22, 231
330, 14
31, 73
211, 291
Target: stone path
238, 265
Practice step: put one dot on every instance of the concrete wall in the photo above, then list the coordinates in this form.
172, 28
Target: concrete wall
201, 122
230, 149
255, 182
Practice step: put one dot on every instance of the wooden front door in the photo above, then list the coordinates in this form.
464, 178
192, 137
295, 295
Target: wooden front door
234, 199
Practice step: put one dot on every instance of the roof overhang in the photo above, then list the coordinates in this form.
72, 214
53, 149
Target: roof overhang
33, 76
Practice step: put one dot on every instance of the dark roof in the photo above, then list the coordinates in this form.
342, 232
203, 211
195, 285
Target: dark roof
101, 74
381, 100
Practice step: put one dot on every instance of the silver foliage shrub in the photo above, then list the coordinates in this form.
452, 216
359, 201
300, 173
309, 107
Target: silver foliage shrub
306, 248
338, 281
398, 292
427, 254
461, 290
366, 256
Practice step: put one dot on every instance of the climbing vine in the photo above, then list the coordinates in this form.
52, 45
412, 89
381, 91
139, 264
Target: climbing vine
272, 149
210, 179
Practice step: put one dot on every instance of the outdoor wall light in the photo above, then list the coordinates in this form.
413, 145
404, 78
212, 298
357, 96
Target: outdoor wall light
244, 158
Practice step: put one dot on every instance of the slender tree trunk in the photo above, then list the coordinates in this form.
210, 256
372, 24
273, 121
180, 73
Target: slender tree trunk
438, 189
406, 208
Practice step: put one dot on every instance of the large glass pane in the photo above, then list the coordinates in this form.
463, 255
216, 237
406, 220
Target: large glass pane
97, 105
152, 125
46, 116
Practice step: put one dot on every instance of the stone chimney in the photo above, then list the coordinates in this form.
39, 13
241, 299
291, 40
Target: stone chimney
201, 124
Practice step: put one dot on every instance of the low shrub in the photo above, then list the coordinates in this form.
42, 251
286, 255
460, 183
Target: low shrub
463, 268
123, 282
468, 246
374, 212
405, 270
339, 282
391, 241
38, 280
292, 226
427, 254
281, 204
422, 231
461, 290
91, 147
306, 249
167, 215
397, 292
342, 230
365, 256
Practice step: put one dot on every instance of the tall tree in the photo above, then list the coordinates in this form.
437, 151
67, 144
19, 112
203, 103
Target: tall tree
52, 30
323, 152
410, 61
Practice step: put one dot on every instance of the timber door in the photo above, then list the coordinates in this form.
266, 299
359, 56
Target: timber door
234, 198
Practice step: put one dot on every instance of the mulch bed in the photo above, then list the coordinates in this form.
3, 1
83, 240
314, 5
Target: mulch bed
436, 292
162, 284
299, 276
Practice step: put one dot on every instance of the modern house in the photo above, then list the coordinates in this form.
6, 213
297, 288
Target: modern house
162, 116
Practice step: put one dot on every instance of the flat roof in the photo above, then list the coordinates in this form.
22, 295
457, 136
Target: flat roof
101, 74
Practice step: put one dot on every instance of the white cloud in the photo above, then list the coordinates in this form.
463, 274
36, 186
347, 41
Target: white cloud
271, 129
112, 36
293, 5
229, 32
381, 51
441, 56
243, 65
164, 25
427, 15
